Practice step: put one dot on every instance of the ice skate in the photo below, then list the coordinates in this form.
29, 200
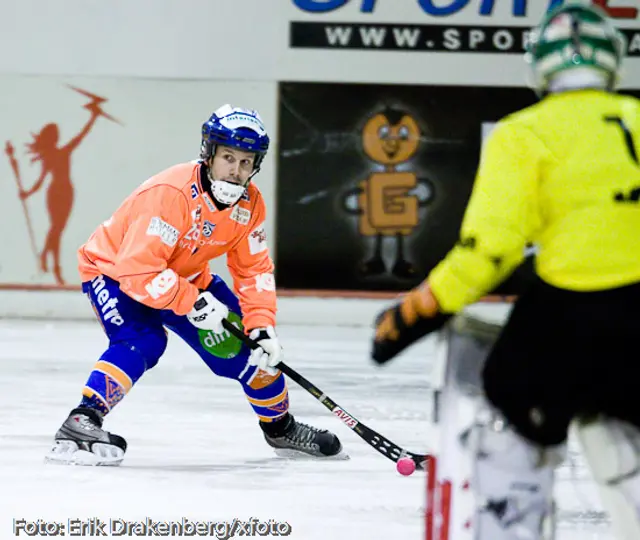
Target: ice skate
290, 438
82, 441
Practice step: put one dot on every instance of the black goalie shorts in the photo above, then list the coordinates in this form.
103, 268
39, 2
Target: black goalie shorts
564, 354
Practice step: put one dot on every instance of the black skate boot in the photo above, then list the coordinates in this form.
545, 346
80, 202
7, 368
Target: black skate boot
290, 438
82, 441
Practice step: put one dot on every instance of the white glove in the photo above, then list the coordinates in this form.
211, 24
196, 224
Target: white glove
269, 353
207, 313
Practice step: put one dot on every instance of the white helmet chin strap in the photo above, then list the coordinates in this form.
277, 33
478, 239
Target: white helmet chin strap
225, 192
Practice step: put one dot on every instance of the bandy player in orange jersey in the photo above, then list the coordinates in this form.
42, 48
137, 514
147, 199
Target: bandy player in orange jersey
146, 267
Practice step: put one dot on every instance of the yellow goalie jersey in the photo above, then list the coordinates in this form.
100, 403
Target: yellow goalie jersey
563, 174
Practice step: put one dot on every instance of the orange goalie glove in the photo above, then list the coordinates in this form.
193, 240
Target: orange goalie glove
398, 327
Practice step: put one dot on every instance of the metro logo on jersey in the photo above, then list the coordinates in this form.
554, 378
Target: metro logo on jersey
105, 303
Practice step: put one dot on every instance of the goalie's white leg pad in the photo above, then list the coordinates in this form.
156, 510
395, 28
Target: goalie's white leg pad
513, 483
612, 450
66, 452
492, 483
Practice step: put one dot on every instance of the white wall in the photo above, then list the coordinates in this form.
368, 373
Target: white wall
159, 125
164, 65
249, 40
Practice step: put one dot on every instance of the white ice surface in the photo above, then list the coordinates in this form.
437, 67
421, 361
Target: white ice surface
195, 449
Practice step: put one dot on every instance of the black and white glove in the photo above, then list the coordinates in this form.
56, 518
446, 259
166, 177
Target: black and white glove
269, 354
416, 316
207, 313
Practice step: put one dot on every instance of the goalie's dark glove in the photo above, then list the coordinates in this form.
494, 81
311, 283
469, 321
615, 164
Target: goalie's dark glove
398, 327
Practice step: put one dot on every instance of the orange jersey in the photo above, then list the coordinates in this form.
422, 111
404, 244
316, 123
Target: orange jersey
160, 240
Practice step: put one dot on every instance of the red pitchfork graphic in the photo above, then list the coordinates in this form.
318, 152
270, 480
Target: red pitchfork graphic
10, 151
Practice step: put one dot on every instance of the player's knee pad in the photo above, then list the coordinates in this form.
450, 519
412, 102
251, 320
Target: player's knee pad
612, 450
137, 354
120, 367
150, 346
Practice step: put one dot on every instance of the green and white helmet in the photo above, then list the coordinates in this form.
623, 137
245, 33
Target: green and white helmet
575, 36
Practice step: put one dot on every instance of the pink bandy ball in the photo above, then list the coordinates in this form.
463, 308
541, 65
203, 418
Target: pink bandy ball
406, 466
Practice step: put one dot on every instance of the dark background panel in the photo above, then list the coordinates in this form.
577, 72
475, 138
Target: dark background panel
321, 160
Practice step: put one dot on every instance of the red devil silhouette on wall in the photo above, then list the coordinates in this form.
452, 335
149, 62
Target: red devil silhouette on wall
55, 162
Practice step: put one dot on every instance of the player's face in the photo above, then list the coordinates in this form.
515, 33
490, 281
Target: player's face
232, 165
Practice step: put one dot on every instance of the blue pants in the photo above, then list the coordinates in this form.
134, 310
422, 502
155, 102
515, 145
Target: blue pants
138, 338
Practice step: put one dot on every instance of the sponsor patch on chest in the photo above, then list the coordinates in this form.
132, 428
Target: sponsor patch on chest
207, 228
167, 233
257, 240
209, 202
241, 215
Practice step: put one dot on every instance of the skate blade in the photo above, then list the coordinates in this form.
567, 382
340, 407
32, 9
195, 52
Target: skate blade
68, 453
298, 455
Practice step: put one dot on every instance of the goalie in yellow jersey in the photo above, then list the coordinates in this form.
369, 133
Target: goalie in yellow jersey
564, 175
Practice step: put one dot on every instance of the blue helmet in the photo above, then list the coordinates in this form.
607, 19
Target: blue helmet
239, 128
